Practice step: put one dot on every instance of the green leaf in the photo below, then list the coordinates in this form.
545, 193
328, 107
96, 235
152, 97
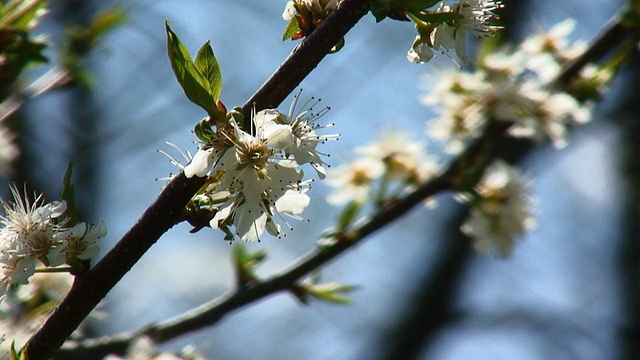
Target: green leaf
208, 66
203, 130
291, 29
21, 354
195, 85
106, 20
246, 262
349, 214
68, 194
330, 292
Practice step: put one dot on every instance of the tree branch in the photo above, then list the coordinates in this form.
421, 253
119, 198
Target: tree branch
166, 211
213, 311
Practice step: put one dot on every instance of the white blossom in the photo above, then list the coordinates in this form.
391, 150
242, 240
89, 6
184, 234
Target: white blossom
81, 241
476, 17
461, 100
502, 212
405, 159
254, 177
27, 234
304, 128
251, 207
511, 87
352, 181
420, 51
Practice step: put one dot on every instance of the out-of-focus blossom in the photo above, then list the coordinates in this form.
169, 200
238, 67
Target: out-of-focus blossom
500, 210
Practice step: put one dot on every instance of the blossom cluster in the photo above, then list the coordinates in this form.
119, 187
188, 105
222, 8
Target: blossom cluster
382, 171
28, 307
500, 209
255, 176
446, 27
34, 232
514, 87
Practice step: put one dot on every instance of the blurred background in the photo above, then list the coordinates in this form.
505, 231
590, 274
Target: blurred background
571, 290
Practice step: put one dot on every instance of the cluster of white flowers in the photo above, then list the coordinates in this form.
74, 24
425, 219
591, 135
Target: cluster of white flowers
254, 177
500, 209
467, 16
384, 170
510, 87
33, 232
24, 312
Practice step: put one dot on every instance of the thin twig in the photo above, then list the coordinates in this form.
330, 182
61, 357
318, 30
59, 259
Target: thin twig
52, 79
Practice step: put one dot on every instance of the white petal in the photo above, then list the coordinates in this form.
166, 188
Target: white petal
201, 164
293, 202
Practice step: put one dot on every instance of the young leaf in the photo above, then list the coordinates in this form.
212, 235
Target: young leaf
68, 194
330, 292
106, 20
207, 65
245, 263
348, 215
292, 29
195, 85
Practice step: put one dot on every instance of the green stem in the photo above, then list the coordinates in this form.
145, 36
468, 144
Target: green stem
54, 270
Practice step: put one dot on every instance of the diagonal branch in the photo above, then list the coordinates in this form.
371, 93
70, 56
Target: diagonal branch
213, 311
166, 211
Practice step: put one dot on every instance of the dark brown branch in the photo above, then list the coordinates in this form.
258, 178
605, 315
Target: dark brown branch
89, 289
213, 311
312, 50
270, 94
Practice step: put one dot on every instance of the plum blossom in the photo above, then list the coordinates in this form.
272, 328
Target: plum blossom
254, 178
476, 17
34, 233
514, 87
386, 168
500, 210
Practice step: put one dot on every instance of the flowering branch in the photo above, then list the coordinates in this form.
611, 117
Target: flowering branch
90, 288
213, 311
614, 33
306, 56
167, 210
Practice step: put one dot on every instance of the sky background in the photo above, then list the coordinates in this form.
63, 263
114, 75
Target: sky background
555, 298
